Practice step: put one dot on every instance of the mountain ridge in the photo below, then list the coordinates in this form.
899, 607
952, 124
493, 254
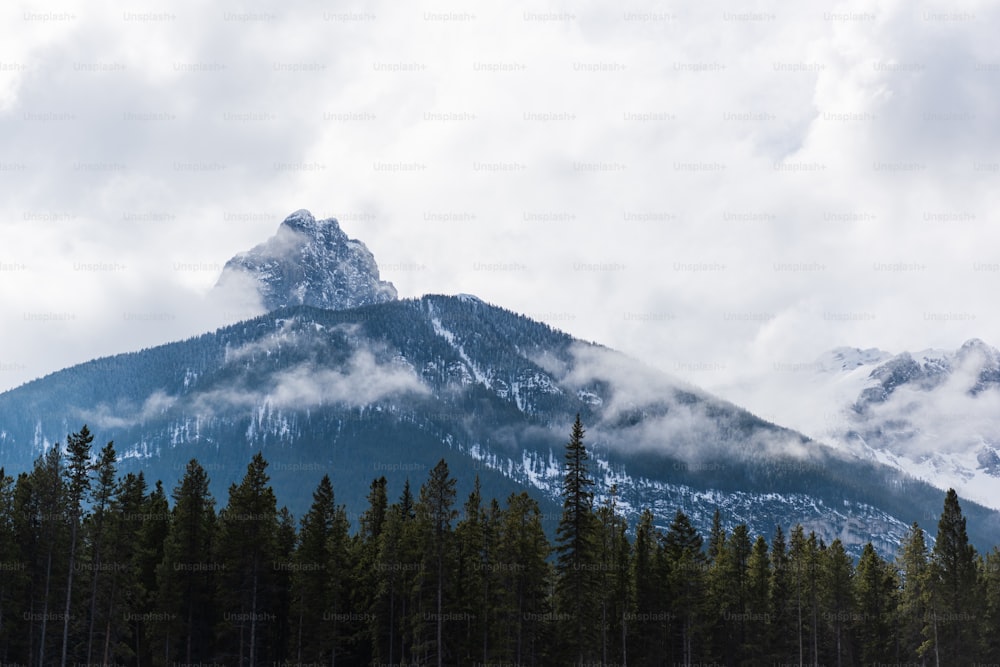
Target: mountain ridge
492, 412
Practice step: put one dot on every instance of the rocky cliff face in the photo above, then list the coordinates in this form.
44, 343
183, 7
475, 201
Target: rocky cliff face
310, 262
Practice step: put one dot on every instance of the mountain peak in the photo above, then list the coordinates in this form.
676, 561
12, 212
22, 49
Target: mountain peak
310, 262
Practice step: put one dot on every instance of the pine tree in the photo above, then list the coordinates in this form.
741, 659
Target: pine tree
838, 601
186, 580
471, 577
364, 549
103, 497
650, 612
914, 600
152, 530
804, 561
399, 565
281, 627
736, 566
990, 578
717, 537
875, 588
613, 574
576, 555
434, 516
525, 573
685, 585
46, 509
78, 468
758, 604
116, 641
246, 548
783, 621
320, 587
954, 591
11, 567
476, 577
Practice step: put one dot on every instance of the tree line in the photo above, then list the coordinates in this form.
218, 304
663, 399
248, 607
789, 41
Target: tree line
96, 568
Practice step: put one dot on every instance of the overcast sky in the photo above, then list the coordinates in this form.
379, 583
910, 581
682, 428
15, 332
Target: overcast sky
722, 189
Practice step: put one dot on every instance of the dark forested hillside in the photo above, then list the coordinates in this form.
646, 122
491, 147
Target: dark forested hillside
391, 388
101, 567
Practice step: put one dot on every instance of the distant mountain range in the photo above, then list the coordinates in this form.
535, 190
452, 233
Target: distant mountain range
341, 377
934, 414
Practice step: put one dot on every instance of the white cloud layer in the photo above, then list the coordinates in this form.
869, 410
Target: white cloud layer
720, 189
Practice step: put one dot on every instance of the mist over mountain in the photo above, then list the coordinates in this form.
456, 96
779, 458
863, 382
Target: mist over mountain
930, 413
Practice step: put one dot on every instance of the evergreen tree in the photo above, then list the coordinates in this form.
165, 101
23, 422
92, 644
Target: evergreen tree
152, 528
804, 560
434, 516
246, 549
98, 525
398, 566
649, 608
613, 573
758, 604
875, 594
364, 555
123, 598
11, 566
475, 537
320, 579
77, 473
46, 509
838, 602
525, 573
186, 578
717, 537
916, 640
685, 586
954, 591
990, 578
281, 627
576, 555
782, 636
737, 567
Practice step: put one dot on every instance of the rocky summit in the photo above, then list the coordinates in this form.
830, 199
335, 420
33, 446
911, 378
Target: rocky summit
313, 263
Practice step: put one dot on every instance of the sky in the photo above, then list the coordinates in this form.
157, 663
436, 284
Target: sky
723, 190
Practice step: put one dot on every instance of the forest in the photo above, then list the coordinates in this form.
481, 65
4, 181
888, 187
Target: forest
98, 568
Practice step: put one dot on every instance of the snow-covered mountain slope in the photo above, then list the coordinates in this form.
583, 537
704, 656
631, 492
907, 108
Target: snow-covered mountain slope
934, 414
309, 262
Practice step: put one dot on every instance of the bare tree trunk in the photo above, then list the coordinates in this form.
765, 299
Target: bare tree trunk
624, 639
298, 651
253, 620
937, 656
440, 653
93, 596
107, 629
69, 591
45, 609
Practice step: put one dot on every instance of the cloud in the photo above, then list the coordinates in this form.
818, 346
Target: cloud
666, 415
706, 189
361, 381
947, 419
123, 416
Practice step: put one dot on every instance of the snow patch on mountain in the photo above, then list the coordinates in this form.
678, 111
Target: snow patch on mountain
441, 331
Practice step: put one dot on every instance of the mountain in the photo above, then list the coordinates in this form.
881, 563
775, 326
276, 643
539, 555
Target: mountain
932, 414
391, 386
309, 262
